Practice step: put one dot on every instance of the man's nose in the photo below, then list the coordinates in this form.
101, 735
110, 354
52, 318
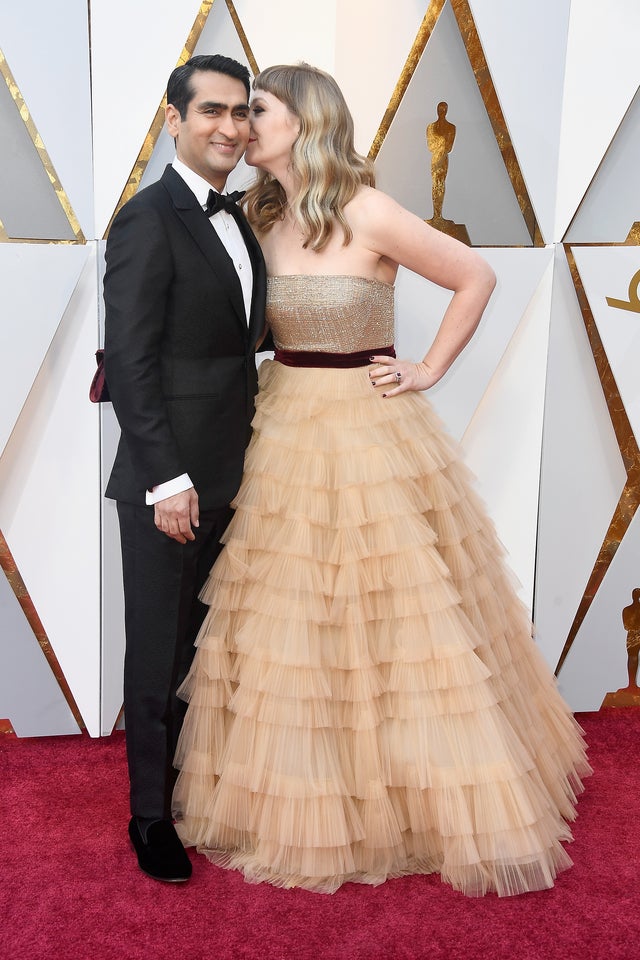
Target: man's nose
228, 126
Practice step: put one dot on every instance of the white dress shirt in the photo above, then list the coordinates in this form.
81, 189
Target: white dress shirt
233, 242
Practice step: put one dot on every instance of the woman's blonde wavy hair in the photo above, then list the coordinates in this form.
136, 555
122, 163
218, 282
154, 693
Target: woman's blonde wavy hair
323, 157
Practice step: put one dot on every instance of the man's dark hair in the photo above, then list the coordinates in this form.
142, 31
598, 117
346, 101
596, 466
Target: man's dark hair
180, 90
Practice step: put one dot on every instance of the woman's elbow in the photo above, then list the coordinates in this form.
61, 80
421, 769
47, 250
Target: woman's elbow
490, 278
487, 281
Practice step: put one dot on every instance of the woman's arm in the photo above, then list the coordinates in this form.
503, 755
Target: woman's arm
401, 238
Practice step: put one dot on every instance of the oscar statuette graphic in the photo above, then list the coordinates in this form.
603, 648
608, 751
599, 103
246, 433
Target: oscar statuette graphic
629, 696
440, 138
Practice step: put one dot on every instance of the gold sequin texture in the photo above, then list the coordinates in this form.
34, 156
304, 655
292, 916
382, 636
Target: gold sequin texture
331, 314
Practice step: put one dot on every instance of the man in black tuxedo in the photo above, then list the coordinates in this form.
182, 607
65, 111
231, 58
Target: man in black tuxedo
184, 295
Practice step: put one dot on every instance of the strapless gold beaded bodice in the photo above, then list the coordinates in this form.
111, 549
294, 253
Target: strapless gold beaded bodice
332, 314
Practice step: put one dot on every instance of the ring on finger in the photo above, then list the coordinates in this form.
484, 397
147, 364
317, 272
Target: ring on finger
398, 376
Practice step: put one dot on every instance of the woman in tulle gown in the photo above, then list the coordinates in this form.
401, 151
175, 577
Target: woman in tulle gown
366, 700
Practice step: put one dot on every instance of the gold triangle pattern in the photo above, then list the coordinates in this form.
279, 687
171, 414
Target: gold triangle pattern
243, 37
629, 500
157, 123
18, 586
426, 29
633, 240
630, 497
477, 59
45, 159
633, 237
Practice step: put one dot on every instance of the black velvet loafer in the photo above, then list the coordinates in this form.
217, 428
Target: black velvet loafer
162, 857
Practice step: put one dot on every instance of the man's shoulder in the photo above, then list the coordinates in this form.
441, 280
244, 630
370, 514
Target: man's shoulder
150, 196
168, 193
151, 203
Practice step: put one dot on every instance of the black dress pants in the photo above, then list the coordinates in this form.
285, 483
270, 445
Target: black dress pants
162, 579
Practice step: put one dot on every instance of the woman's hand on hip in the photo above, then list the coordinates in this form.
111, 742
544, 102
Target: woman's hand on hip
392, 377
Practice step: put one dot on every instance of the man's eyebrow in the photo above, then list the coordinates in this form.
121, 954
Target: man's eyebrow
216, 105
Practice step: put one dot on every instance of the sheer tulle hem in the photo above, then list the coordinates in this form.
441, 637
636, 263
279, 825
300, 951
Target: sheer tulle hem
366, 700
472, 880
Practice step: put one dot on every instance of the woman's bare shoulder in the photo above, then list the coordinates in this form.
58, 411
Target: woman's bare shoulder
369, 200
376, 215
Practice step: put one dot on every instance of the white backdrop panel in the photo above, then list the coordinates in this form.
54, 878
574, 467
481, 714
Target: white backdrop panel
597, 662
31, 314
49, 507
420, 306
503, 441
582, 470
30, 207
528, 74
601, 78
29, 693
373, 42
134, 48
47, 48
607, 273
612, 203
284, 32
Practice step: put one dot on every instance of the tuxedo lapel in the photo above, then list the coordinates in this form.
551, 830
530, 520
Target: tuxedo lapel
205, 236
256, 318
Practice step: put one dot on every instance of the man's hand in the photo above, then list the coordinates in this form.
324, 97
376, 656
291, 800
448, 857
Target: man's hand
176, 515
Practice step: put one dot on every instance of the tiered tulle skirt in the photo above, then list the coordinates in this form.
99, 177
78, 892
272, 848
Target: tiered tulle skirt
366, 700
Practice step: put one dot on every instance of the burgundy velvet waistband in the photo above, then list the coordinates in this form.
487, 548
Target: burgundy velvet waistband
309, 358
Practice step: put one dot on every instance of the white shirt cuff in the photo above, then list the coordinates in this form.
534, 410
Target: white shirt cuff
168, 489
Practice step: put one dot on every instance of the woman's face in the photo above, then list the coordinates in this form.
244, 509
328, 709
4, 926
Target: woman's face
273, 131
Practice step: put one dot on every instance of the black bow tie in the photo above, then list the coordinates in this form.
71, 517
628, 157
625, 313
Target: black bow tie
217, 202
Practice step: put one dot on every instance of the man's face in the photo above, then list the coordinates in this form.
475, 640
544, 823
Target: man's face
214, 134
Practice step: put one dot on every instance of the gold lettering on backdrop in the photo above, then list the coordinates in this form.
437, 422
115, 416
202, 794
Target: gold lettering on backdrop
630, 695
440, 138
633, 303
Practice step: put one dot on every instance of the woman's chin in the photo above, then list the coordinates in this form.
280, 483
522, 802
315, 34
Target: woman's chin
248, 157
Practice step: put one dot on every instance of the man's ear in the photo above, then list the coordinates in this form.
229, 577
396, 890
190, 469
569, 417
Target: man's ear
172, 117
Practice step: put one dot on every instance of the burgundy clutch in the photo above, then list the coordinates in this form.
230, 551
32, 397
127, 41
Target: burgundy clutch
98, 391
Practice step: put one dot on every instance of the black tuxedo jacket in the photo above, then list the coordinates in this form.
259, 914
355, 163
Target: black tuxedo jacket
179, 355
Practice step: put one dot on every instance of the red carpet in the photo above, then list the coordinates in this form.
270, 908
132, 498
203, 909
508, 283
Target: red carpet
71, 889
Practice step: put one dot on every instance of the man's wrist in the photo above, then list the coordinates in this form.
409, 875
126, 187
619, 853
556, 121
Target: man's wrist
168, 488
